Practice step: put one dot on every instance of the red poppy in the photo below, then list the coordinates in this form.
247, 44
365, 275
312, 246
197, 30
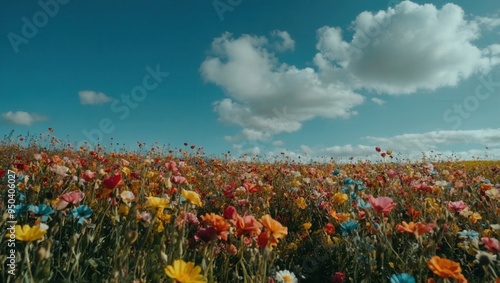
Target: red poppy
230, 212
112, 181
329, 229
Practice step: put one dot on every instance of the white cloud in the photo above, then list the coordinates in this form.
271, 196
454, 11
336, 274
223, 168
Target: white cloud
306, 150
90, 97
266, 98
431, 140
22, 118
286, 41
378, 101
400, 50
349, 150
278, 143
489, 22
404, 49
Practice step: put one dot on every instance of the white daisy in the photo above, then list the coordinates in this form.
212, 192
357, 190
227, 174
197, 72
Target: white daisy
285, 276
485, 258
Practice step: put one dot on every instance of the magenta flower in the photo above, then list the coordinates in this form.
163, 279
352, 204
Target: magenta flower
382, 205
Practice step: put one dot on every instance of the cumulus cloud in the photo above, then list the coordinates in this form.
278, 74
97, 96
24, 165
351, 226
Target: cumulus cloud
278, 143
286, 42
22, 118
378, 101
489, 22
404, 49
350, 150
90, 97
484, 143
400, 50
431, 140
266, 97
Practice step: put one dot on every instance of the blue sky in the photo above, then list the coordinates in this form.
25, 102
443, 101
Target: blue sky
329, 78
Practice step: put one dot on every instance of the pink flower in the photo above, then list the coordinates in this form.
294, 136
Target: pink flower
381, 204
172, 166
189, 217
392, 174
456, 206
491, 244
88, 175
178, 179
64, 200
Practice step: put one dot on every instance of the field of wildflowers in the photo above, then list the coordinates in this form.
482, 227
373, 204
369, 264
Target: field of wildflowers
155, 215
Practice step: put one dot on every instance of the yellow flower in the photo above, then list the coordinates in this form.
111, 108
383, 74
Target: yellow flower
159, 226
27, 233
183, 272
123, 209
192, 197
340, 198
301, 203
126, 171
474, 217
156, 202
164, 216
307, 225
295, 183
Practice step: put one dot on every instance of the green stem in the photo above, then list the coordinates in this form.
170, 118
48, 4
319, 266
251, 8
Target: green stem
28, 263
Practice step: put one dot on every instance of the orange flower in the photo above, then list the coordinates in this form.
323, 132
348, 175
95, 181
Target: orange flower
340, 217
274, 230
415, 228
247, 225
446, 268
406, 227
219, 223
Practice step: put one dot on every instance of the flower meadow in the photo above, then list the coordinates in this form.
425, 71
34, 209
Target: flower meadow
159, 215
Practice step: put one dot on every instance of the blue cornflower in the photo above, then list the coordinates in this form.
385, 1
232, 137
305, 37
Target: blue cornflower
402, 278
363, 204
336, 172
42, 209
21, 196
348, 181
348, 226
81, 213
20, 209
471, 234
353, 196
